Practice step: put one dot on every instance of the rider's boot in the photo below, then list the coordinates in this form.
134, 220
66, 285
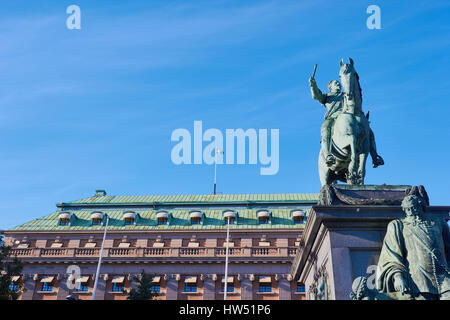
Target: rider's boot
329, 158
377, 161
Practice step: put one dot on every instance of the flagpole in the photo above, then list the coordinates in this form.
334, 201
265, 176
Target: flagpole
215, 171
217, 151
225, 287
100, 260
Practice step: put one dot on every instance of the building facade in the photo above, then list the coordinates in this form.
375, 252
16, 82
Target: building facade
181, 240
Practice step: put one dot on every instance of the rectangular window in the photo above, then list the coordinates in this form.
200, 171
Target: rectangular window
232, 220
82, 287
300, 288
155, 288
63, 222
190, 287
230, 288
47, 286
265, 288
117, 287
13, 287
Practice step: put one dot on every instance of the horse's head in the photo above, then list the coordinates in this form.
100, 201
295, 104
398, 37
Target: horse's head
348, 77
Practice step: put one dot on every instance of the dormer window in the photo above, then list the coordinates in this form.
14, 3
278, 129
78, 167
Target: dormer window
64, 219
298, 216
264, 216
230, 216
162, 217
129, 218
97, 218
196, 217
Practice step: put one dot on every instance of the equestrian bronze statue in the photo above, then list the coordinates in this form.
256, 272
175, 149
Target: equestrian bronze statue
346, 135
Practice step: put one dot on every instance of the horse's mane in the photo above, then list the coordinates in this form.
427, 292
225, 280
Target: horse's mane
359, 86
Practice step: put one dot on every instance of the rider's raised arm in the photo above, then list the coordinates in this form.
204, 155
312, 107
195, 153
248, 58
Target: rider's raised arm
315, 91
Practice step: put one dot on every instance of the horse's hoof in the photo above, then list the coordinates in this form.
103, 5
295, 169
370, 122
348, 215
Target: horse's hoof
378, 162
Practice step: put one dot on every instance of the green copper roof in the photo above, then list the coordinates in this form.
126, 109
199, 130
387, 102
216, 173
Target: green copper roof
219, 198
146, 207
247, 218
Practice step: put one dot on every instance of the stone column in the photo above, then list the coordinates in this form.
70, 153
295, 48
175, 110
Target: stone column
172, 286
284, 287
209, 286
247, 286
29, 285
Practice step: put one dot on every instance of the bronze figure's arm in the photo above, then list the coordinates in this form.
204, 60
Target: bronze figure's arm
315, 91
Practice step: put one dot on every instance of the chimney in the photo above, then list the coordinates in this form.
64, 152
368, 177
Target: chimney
100, 193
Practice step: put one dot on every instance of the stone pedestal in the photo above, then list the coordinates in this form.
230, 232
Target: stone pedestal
342, 241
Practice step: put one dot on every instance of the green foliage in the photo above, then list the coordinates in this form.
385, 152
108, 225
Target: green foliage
143, 289
9, 267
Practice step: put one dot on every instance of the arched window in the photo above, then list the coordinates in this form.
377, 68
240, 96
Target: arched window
162, 217
230, 216
96, 218
129, 217
298, 216
64, 218
196, 217
264, 216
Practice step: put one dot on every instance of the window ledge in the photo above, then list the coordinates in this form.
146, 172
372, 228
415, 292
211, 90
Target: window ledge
192, 293
116, 292
82, 292
300, 293
230, 293
47, 292
267, 293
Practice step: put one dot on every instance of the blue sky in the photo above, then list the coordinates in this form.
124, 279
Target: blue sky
95, 108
